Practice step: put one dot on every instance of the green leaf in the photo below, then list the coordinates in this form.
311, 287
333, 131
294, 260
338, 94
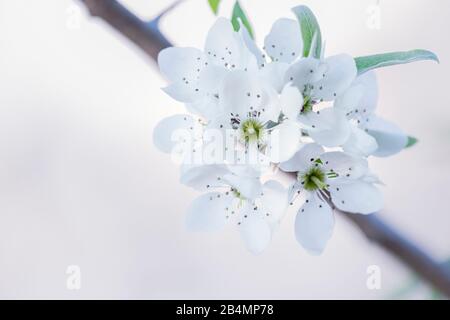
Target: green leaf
411, 142
214, 4
310, 31
367, 63
239, 14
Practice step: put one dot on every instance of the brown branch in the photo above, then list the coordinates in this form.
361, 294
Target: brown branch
148, 37
145, 35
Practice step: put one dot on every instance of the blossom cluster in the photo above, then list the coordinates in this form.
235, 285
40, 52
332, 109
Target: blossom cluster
253, 113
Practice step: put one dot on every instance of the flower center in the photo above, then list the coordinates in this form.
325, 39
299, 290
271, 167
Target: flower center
252, 130
307, 105
313, 179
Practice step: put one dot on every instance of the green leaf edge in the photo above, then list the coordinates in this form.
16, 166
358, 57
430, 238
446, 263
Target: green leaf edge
411, 142
214, 4
309, 26
238, 13
388, 59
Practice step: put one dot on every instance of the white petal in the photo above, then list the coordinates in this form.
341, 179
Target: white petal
256, 233
370, 98
202, 94
208, 212
187, 92
303, 72
274, 201
361, 98
248, 187
314, 225
294, 191
284, 141
344, 165
360, 143
225, 47
274, 74
250, 169
181, 64
291, 101
340, 73
246, 160
220, 121
242, 93
210, 79
270, 109
390, 138
351, 99
357, 197
372, 178
251, 45
284, 42
207, 107
302, 160
203, 177
245, 170
172, 130
328, 127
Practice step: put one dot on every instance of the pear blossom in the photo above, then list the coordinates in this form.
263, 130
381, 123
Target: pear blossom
310, 82
251, 111
316, 80
371, 134
255, 208
195, 78
267, 107
328, 180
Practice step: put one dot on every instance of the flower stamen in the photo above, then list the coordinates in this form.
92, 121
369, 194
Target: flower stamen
252, 130
307, 106
314, 179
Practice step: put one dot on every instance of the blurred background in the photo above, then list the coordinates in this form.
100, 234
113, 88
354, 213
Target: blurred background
82, 185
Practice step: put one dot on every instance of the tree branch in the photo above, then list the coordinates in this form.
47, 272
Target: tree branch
148, 37
144, 35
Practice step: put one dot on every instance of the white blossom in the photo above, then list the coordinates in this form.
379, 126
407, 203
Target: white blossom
312, 117
251, 109
327, 180
255, 208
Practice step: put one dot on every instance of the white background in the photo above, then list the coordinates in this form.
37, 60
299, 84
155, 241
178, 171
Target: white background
82, 184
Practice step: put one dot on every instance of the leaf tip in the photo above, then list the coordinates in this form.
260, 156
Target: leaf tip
300, 8
430, 55
434, 57
214, 5
412, 141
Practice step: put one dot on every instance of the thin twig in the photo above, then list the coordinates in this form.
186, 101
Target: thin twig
155, 21
148, 37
